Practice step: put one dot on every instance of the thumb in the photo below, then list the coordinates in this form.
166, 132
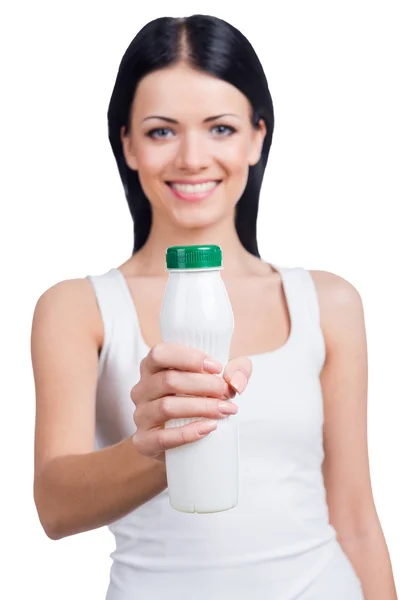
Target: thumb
238, 372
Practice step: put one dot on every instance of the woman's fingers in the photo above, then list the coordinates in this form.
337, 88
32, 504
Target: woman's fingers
158, 412
177, 356
153, 443
170, 382
238, 372
179, 382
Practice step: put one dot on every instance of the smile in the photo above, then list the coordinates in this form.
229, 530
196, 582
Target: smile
197, 191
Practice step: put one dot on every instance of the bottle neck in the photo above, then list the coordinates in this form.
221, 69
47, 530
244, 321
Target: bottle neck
197, 271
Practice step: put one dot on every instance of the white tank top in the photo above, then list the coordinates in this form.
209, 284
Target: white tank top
277, 543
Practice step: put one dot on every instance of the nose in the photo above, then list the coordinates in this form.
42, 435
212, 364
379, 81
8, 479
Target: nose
192, 154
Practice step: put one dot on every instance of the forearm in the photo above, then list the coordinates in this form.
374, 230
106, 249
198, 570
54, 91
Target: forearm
370, 558
79, 493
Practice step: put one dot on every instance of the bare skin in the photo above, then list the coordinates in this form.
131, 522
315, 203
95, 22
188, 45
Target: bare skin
187, 150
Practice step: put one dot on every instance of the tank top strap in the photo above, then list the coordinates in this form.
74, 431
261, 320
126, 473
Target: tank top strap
117, 313
105, 297
304, 310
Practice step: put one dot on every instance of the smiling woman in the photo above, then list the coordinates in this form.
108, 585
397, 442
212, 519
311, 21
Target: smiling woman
185, 82
216, 163
190, 124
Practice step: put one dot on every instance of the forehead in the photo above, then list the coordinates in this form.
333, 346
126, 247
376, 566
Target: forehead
183, 90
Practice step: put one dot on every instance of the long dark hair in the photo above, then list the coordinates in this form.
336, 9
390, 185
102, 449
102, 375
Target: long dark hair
210, 45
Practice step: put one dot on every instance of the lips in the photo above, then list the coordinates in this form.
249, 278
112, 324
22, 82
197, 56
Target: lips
191, 194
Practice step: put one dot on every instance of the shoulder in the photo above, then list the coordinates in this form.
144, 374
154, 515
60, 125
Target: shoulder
334, 288
75, 293
341, 306
70, 300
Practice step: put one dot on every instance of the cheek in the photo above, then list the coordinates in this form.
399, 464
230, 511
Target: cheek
152, 164
234, 158
152, 161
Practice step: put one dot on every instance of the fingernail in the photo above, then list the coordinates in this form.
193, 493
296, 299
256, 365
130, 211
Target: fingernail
239, 381
206, 427
212, 366
227, 408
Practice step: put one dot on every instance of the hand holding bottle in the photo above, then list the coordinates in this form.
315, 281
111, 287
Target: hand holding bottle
171, 369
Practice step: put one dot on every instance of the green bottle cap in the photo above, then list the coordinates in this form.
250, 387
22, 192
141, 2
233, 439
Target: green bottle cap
194, 257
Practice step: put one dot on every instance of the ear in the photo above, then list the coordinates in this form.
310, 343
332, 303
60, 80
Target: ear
257, 143
127, 148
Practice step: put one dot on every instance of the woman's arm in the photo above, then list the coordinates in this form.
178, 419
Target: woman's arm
76, 488
346, 466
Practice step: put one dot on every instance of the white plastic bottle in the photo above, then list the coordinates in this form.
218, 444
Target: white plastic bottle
202, 476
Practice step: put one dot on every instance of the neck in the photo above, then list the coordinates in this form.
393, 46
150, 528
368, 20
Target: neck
151, 257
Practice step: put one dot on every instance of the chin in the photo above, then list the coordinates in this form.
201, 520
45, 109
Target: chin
199, 219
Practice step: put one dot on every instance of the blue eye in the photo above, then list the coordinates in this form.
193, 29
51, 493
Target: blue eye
227, 128
153, 132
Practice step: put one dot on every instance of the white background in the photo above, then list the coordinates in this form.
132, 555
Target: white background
330, 201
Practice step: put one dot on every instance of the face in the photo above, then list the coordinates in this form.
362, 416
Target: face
192, 162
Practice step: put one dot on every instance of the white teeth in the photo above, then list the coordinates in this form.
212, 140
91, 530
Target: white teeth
194, 189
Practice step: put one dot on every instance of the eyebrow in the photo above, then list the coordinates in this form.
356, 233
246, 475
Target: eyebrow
169, 120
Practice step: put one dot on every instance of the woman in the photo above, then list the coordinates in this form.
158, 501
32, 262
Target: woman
190, 124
